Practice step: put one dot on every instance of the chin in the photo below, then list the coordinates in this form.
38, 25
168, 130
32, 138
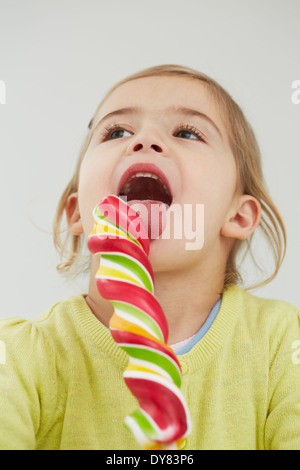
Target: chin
169, 255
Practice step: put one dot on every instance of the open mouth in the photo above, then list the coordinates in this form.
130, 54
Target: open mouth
146, 186
151, 198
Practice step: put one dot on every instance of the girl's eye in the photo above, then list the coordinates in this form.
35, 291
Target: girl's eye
185, 133
118, 133
188, 132
114, 132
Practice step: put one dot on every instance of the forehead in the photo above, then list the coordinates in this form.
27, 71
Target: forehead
160, 92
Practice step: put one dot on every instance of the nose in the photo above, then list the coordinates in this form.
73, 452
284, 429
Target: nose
155, 147
146, 141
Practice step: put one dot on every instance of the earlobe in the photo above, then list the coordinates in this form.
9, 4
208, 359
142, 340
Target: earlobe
73, 215
242, 223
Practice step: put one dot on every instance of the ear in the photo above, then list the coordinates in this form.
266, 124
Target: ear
242, 221
73, 215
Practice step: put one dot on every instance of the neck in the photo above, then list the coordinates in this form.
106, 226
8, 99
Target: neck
186, 305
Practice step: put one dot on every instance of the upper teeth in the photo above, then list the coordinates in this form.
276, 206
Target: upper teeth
142, 174
150, 175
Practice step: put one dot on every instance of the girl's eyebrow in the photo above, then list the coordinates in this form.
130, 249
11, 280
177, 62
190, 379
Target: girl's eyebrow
172, 109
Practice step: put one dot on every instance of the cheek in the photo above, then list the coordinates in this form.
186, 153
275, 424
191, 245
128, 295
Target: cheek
94, 185
220, 200
95, 170
100, 170
212, 183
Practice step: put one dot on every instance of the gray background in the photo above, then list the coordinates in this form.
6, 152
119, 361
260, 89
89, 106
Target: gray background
58, 58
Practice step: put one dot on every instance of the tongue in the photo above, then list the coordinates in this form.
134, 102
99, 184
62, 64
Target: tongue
152, 214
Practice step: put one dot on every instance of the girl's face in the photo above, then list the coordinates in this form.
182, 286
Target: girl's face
173, 123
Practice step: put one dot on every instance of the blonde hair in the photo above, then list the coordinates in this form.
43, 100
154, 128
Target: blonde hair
248, 160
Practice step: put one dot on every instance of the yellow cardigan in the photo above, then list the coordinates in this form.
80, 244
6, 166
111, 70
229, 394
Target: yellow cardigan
61, 384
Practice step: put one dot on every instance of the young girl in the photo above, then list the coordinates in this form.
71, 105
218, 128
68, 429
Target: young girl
61, 386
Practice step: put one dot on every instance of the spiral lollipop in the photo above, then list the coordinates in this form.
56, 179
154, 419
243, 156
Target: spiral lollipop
138, 325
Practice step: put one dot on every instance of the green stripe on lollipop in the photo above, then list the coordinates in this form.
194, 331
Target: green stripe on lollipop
143, 423
140, 315
133, 267
156, 358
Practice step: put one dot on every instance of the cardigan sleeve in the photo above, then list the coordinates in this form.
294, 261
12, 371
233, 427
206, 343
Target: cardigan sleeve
282, 430
23, 383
